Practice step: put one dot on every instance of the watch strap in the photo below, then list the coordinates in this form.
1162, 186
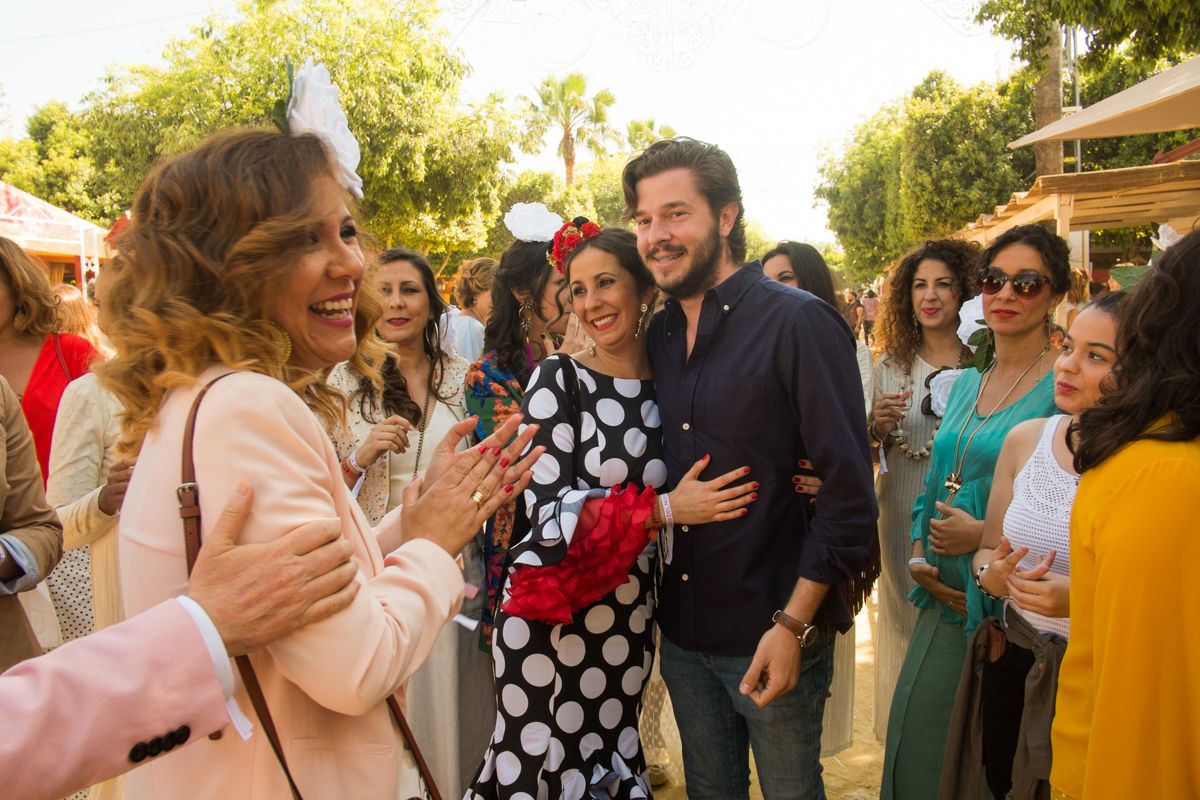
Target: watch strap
801, 630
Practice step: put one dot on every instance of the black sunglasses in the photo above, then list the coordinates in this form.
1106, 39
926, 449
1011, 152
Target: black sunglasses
1024, 284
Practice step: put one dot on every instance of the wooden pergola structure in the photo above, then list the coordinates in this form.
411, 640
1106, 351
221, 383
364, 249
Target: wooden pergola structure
1112, 198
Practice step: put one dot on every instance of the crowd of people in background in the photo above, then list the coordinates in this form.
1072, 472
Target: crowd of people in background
622, 464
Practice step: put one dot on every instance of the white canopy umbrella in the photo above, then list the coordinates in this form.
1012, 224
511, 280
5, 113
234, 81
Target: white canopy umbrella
1168, 101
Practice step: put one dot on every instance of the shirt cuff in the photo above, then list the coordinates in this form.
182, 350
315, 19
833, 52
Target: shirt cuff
22, 556
220, 661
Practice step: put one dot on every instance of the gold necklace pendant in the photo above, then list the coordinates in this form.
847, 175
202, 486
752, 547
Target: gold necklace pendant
953, 483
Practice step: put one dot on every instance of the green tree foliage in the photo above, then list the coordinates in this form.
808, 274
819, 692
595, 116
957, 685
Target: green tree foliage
1145, 30
925, 166
861, 190
954, 157
758, 241
431, 170
53, 162
562, 105
641, 133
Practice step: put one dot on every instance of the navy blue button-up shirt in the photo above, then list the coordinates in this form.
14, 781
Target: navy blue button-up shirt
772, 378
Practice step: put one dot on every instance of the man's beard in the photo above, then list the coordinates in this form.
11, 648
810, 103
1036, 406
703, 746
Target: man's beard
702, 274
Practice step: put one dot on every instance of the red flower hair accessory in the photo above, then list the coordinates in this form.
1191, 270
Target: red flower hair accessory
568, 237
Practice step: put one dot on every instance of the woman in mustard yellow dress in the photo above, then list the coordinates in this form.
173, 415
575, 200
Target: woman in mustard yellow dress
1128, 711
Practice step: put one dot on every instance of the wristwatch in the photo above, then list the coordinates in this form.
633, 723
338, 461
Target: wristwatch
805, 632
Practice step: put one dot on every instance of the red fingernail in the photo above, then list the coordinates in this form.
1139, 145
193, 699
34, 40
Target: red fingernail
508, 489
496, 451
756, 484
754, 496
745, 511
503, 463
813, 501
799, 489
745, 470
482, 449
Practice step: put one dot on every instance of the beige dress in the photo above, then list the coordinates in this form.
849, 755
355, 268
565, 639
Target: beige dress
837, 723
451, 700
84, 450
85, 437
897, 489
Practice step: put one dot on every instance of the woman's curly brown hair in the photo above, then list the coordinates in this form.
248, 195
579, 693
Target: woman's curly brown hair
35, 309
897, 334
213, 236
1157, 374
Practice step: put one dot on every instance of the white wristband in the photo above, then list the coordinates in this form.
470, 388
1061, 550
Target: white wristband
917, 560
354, 465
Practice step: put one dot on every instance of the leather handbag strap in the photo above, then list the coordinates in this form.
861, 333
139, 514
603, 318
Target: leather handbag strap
188, 493
259, 701
62, 360
431, 789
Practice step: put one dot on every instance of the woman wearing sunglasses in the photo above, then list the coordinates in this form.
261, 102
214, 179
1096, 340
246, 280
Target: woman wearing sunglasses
1024, 275
1006, 699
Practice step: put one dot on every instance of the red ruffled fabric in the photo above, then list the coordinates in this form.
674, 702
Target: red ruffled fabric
608, 538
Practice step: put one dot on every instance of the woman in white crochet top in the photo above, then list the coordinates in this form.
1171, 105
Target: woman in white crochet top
1023, 557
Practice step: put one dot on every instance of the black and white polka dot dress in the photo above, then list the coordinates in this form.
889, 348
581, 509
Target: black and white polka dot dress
569, 695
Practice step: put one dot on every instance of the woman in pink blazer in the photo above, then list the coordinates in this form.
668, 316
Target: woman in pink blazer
242, 257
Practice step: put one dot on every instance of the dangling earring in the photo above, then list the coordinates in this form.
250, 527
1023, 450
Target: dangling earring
526, 314
641, 321
281, 340
916, 324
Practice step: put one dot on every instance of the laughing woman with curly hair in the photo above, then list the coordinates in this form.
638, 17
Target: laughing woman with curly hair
242, 265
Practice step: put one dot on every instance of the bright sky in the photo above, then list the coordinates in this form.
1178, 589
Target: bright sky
774, 82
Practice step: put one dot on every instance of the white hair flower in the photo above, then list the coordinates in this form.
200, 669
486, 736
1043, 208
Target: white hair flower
532, 222
315, 107
971, 315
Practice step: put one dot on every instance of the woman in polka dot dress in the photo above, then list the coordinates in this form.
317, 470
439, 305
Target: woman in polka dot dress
574, 640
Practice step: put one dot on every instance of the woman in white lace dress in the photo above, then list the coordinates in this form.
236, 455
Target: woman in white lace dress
917, 335
1024, 554
388, 441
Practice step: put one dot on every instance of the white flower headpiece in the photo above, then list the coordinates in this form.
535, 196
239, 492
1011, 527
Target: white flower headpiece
314, 107
1167, 236
532, 222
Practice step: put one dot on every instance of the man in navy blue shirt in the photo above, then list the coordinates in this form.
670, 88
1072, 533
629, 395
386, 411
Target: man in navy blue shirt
749, 371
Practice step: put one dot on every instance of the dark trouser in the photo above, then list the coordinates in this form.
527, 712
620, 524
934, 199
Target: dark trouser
868, 326
1002, 703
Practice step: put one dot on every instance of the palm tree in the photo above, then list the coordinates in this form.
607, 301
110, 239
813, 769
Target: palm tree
563, 104
642, 133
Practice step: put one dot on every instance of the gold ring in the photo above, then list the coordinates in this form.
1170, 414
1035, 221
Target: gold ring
478, 499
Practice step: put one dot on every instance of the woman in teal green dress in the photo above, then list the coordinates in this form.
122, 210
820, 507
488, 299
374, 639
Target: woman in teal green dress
1022, 276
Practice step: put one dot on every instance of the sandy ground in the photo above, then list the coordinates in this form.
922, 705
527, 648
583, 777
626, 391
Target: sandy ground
852, 774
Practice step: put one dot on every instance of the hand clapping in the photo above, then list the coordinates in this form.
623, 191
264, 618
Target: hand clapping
453, 501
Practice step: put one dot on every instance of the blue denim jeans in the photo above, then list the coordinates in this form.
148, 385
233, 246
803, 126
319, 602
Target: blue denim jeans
718, 726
